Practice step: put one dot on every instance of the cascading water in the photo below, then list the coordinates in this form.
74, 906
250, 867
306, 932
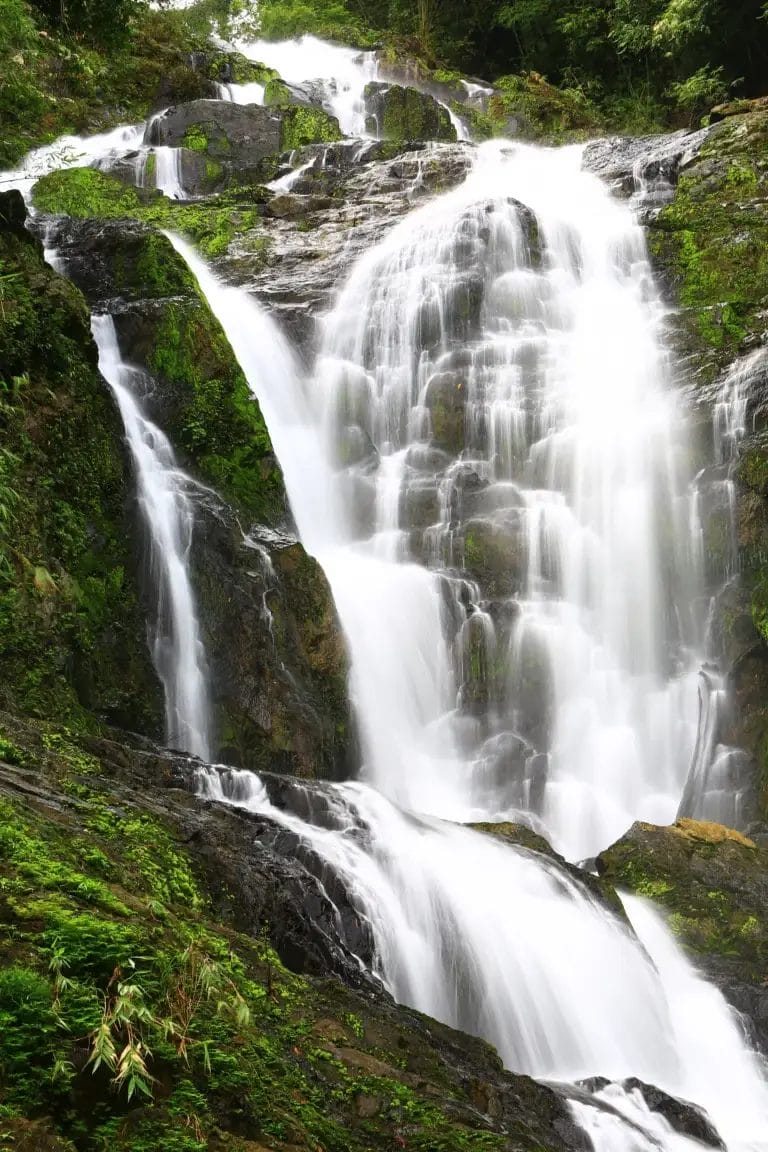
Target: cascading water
495, 358
177, 648
529, 347
341, 73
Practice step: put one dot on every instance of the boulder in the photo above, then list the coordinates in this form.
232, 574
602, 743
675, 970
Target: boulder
713, 882
404, 114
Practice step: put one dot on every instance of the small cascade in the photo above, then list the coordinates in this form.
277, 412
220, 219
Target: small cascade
252, 93
431, 893
73, 152
177, 648
719, 783
335, 74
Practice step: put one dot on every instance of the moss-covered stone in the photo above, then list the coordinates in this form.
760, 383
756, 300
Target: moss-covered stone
712, 240
301, 125
529, 107
405, 114
71, 630
86, 193
713, 882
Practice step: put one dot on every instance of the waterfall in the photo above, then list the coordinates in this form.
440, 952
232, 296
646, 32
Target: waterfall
166, 509
496, 359
490, 463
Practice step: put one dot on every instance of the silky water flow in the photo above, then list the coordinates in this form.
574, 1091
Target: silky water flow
500, 351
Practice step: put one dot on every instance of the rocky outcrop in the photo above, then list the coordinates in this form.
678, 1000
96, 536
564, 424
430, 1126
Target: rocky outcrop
244, 139
714, 884
71, 624
119, 860
405, 114
682, 1116
708, 245
278, 661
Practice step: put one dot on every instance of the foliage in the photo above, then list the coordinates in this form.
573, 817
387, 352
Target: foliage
640, 59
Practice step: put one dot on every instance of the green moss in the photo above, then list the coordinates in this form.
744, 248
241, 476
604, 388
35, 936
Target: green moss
713, 238
535, 109
277, 94
302, 126
195, 138
216, 421
239, 1052
86, 192
709, 879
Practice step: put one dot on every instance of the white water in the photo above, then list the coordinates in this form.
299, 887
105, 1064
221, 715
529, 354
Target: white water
568, 420
177, 649
73, 152
571, 423
341, 72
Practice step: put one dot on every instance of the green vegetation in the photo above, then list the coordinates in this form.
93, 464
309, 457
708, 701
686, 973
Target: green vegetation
71, 632
640, 62
713, 238
134, 1018
85, 192
90, 71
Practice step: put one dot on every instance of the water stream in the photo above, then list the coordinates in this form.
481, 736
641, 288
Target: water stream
168, 515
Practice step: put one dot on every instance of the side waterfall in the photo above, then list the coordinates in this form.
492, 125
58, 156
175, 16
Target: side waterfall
177, 649
524, 299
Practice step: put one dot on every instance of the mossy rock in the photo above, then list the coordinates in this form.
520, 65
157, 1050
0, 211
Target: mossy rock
86, 193
71, 627
234, 68
302, 125
405, 114
495, 554
713, 883
712, 240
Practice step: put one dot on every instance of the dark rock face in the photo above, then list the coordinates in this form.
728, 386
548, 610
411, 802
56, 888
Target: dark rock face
72, 631
277, 658
224, 141
714, 883
403, 114
240, 134
686, 1118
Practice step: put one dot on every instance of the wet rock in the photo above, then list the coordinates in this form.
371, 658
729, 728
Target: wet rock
713, 882
277, 659
495, 553
13, 212
245, 139
403, 114
684, 1117
446, 401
